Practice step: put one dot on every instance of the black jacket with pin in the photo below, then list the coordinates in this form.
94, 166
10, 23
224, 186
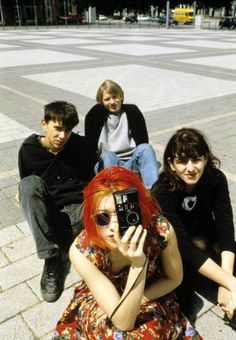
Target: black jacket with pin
206, 213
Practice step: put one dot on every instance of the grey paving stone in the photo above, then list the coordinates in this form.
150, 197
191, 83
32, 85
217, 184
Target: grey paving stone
43, 317
10, 191
20, 271
212, 327
24, 228
9, 234
46, 337
2, 195
15, 328
16, 300
7, 181
218, 311
6, 205
205, 304
3, 260
34, 284
19, 249
12, 215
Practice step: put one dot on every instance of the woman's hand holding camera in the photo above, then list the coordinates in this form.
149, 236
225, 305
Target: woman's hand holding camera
131, 244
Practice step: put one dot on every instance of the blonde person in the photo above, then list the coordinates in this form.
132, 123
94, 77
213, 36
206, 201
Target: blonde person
118, 134
128, 278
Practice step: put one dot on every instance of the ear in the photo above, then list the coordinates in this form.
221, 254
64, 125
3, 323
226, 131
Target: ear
171, 164
44, 125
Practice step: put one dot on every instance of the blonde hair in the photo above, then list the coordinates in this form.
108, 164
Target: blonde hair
111, 87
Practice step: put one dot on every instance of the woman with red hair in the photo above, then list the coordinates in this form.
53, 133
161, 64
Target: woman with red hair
127, 278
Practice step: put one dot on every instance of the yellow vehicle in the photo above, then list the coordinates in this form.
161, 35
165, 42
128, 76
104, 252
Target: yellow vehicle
183, 15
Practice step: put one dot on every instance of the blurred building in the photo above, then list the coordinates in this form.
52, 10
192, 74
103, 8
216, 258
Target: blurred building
37, 12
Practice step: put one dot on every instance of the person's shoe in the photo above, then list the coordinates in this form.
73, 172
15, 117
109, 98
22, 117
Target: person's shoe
230, 322
52, 280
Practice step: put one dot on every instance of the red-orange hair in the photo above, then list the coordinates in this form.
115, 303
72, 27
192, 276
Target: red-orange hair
106, 182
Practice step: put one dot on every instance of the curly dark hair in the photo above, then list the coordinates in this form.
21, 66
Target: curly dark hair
186, 143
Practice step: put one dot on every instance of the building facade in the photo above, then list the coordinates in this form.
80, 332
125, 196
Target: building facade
36, 12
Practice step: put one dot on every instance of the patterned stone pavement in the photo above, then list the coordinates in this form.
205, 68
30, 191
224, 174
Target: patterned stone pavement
178, 77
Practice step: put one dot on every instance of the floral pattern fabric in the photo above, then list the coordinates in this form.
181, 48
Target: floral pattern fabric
158, 319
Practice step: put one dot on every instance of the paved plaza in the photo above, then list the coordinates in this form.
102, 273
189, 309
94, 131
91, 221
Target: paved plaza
177, 77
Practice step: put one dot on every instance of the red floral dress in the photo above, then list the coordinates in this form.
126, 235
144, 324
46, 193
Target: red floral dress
157, 319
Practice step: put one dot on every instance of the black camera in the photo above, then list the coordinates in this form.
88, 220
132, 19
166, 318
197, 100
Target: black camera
127, 209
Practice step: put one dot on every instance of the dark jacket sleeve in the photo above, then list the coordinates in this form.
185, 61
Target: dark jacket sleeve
27, 163
137, 123
169, 205
78, 157
223, 214
94, 121
22, 171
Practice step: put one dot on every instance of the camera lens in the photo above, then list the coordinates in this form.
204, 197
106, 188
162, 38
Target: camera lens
132, 218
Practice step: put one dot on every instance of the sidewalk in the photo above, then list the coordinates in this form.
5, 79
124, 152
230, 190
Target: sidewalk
177, 78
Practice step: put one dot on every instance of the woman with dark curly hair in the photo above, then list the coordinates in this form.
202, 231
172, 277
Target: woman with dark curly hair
194, 196
128, 278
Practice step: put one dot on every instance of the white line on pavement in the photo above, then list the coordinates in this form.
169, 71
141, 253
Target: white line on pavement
23, 94
193, 122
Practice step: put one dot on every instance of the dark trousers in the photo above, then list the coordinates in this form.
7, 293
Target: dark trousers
195, 282
53, 229
193, 278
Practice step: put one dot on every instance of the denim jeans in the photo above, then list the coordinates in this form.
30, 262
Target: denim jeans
53, 229
143, 160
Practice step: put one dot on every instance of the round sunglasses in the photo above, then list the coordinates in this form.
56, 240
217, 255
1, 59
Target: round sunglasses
103, 218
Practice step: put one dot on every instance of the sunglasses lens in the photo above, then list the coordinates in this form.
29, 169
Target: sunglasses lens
102, 219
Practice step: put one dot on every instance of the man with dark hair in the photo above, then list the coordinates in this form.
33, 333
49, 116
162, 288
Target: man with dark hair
54, 169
